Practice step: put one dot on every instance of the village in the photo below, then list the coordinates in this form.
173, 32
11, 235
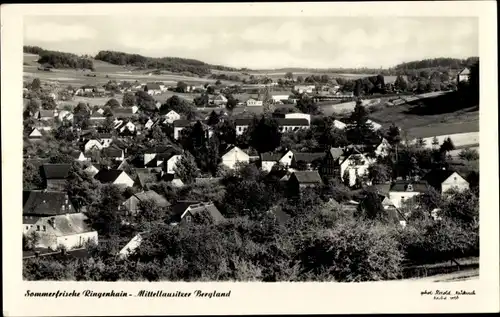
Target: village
121, 180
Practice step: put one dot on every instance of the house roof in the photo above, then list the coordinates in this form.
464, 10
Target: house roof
292, 122
436, 177
181, 205
308, 177
402, 186
35, 133
243, 121
123, 110
96, 114
43, 202
182, 123
153, 196
336, 152
307, 157
465, 71
45, 113
112, 152
153, 86
208, 208
145, 176
75, 154
66, 225
104, 136
382, 189
108, 175
270, 157
55, 171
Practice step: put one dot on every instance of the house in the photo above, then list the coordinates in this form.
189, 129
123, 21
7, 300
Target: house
383, 149
219, 100
115, 177
44, 203
463, 75
96, 116
180, 125
292, 124
78, 155
330, 166
126, 127
68, 231
376, 126
308, 160
355, 168
298, 116
131, 246
444, 180
392, 213
114, 153
302, 179
153, 89
241, 125
132, 204
65, 115
304, 89
171, 116
105, 139
124, 112
279, 98
150, 124
35, 135
44, 115
268, 160
91, 170
55, 175
254, 103
92, 144
146, 176
166, 156
186, 213
400, 191
339, 125
233, 156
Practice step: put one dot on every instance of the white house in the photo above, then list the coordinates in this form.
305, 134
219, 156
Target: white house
463, 75
171, 116
444, 180
287, 159
277, 98
354, 166
220, 100
91, 170
171, 163
35, 134
383, 148
292, 124
234, 156
401, 191
298, 116
254, 103
180, 125
93, 144
241, 125
339, 124
268, 160
65, 115
67, 230
129, 126
115, 177
149, 124
304, 89
131, 246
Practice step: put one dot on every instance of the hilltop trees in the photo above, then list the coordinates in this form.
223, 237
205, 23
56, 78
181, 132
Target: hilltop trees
128, 100
113, 103
65, 60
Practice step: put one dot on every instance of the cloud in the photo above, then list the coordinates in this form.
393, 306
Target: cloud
52, 32
189, 41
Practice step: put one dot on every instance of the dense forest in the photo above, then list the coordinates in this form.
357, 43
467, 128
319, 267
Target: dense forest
60, 59
442, 62
173, 64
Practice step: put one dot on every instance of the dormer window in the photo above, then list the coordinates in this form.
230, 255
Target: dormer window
410, 187
188, 218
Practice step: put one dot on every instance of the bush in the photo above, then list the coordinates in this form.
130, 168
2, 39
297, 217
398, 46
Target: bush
469, 154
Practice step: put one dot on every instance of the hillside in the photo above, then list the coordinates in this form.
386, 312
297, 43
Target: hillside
172, 64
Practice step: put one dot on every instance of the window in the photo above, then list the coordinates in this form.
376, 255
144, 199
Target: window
27, 227
44, 228
455, 179
37, 228
188, 218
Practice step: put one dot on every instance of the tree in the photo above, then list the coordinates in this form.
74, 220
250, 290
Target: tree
435, 142
289, 76
393, 135
112, 103
307, 105
128, 100
247, 198
231, 103
469, 154
33, 106
400, 83
371, 207
265, 135
178, 105
420, 143
447, 145
36, 84
31, 176
379, 173
213, 119
218, 82
186, 168
145, 101
81, 187
300, 79
181, 87
104, 215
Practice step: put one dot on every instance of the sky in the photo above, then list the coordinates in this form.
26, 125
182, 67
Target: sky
262, 42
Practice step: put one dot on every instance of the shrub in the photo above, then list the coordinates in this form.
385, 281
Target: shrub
469, 154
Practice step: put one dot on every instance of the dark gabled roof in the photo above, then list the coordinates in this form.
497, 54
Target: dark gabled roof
112, 152
402, 186
158, 149
108, 175
45, 113
46, 203
292, 122
145, 176
75, 154
55, 171
382, 189
242, 121
123, 110
96, 114
336, 152
208, 208
436, 177
308, 177
270, 157
181, 205
308, 157
182, 123
153, 196
104, 135
153, 86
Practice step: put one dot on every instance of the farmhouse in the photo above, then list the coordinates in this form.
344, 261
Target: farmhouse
444, 180
44, 115
55, 175
180, 125
114, 153
376, 126
354, 168
254, 103
185, 212
463, 75
171, 116
304, 89
92, 145
280, 98
303, 179
35, 135
400, 191
132, 204
69, 231
153, 89
233, 156
339, 125
219, 100
115, 177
